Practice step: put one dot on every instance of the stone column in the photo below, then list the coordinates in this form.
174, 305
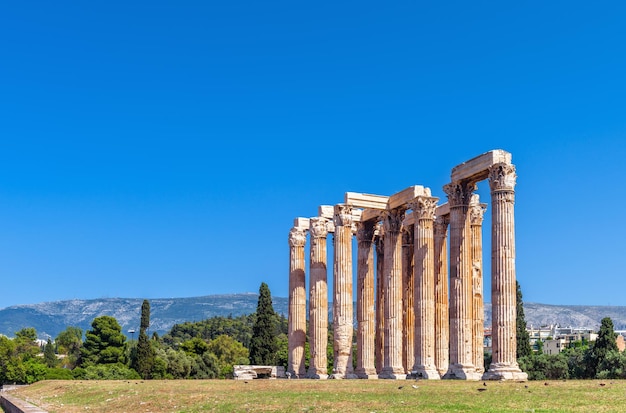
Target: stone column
365, 368
424, 366
379, 339
318, 299
461, 340
442, 326
297, 303
343, 311
476, 212
408, 287
502, 179
392, 279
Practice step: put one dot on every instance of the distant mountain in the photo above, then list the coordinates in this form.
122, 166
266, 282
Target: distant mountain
50, 318
53, 317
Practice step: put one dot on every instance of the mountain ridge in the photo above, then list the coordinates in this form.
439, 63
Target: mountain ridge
50, 318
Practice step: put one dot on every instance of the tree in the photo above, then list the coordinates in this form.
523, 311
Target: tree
69, 342
143, 360
228, 352
523, 339
104, 344
604, 344
49, 356
263, 344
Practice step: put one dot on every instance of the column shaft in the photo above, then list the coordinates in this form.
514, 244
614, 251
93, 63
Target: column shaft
392, 363
461, 340
424, 363
408, 291
365, 368
379, 339
476, 212
504, 365
442, 326
297, 303
318, 299
343, 312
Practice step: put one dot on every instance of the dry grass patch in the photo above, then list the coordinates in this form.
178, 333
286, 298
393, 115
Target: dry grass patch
194, 396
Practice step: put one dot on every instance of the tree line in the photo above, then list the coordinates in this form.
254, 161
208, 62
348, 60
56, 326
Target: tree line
202, 350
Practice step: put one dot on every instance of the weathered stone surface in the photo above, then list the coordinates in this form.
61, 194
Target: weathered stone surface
297, 303
477, 169
250, 372
360, 200
318, 299
402, 198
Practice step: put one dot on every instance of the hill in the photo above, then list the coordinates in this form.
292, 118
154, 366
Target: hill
50, 318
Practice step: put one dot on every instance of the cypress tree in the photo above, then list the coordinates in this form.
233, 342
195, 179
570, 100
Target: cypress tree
523, 339
145, 356
604, 344
49, 355
263, 344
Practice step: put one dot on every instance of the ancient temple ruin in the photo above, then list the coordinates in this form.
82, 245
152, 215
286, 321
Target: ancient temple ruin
419, 293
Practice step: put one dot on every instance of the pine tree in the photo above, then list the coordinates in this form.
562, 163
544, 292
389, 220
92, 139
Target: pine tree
263, 344
523, 339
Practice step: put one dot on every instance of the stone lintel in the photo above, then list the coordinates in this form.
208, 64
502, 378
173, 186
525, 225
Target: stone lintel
442, 210
359, 200
477, 169
370, 215
407, 195
326, 211
301, 223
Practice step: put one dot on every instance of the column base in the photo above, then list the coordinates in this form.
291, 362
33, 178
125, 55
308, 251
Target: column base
366, 374
392, 374
502, 371
317, 376
340, 376
460, 372
425, 373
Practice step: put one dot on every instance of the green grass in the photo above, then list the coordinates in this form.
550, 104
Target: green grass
195, 396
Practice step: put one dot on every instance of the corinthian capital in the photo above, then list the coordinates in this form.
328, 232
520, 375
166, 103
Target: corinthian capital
424, 207
365, 231
318, 227
476, 210
343, 215
392, 219
502, 177
459, 193
297, 237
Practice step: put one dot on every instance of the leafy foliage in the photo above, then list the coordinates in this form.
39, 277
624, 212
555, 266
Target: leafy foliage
104, 344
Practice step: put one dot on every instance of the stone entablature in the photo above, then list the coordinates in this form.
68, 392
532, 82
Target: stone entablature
410, 322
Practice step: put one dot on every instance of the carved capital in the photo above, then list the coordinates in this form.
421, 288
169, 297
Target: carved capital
502, 177
365, 231
380, 240
424, 207
392, 219
476, 210
318, 227
459, 193
441, 225
297, 237
343, 215
408, 234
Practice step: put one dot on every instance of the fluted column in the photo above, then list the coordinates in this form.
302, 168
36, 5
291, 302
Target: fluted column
392, 360
502, 179
297, 303
424, 364
461, 340
365, 368
318, 299
379, 339
343, 311
476, 212
408, 287
442, 323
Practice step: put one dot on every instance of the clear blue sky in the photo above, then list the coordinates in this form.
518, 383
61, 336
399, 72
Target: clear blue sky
162, 149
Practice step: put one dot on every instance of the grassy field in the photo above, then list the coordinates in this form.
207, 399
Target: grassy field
191, 396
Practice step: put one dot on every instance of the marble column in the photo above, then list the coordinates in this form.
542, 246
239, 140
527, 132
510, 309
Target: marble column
442, 323
424, 365
476, 212
365, 368
318, 299
297, 304
392, 279
502, 179
408, 289
379, 339
461, 340
343, 311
